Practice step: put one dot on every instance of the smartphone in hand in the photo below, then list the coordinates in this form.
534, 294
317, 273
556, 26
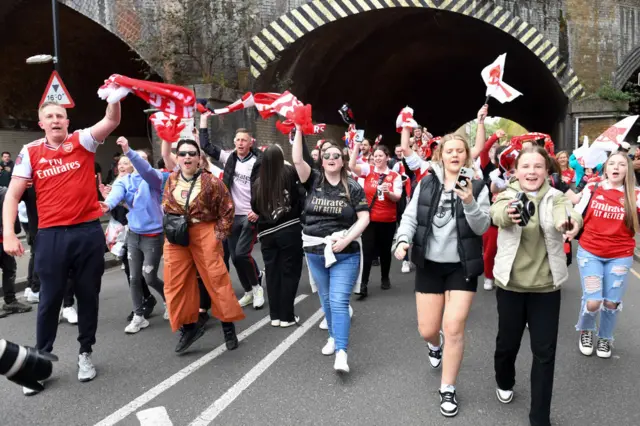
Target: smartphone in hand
464, 176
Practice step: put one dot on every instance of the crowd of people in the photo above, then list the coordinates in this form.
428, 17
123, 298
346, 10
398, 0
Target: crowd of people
449, 210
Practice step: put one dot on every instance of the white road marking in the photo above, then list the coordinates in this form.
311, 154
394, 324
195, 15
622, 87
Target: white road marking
182, 374
209, 415
157, 416
633, 271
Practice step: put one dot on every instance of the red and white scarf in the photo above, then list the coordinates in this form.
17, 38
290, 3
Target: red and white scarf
168, 98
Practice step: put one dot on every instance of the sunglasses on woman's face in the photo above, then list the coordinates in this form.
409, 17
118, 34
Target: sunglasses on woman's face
331, 155
189, 153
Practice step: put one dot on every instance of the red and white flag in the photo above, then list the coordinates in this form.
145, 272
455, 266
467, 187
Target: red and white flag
405, 119
493, 75
263, 103
246, 101
611, 139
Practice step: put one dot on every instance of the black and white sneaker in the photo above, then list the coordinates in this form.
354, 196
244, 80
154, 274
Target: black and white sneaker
586, 343
435, 355
504, 396
448, 403
604, 348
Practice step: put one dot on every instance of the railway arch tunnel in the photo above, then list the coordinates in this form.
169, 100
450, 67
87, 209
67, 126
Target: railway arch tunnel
380, 55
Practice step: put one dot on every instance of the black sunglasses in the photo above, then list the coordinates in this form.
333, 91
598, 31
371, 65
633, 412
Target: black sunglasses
333, 156
189, 153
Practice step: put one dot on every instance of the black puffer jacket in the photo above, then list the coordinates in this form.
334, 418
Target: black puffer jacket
469, 243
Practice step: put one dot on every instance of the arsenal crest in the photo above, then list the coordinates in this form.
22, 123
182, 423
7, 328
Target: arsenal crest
67, 147
184, 194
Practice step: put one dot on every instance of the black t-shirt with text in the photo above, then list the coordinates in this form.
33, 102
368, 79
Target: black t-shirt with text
327, 209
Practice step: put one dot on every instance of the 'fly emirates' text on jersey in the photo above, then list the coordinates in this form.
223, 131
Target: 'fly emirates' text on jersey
382, 210
605, 234
63, 178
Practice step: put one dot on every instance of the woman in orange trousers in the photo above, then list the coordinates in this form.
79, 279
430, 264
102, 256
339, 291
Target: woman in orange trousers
210, 217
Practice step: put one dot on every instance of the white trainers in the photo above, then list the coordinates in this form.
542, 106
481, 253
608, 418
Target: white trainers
340, 365
488, 284
504, 396
246, 300
275, 323
406, 267
137, 323
258, 297
33, 297
70, 315
330, 347
323, 324
27, 292
285, 324
165, 315
86, 370
586, 343
603, 350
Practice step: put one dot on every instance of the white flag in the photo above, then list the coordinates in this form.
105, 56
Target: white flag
492, 76
611, 139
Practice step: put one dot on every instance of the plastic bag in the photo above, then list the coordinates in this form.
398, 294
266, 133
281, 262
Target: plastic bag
115, 237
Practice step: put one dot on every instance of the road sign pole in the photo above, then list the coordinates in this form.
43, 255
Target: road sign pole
56, 41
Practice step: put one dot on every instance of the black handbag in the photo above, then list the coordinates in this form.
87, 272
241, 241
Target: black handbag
176, 227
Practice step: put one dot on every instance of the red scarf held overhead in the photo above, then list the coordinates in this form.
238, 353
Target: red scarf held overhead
168, 98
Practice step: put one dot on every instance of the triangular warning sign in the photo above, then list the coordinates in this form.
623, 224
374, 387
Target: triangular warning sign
57, 92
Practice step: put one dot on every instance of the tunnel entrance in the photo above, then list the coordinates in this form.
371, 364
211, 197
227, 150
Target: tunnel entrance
429, 58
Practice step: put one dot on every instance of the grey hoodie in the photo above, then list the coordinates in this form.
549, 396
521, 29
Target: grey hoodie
442, 243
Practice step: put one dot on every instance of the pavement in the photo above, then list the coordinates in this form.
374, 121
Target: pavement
279, 377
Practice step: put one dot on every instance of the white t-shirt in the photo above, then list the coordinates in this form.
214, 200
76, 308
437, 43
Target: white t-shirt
241, 187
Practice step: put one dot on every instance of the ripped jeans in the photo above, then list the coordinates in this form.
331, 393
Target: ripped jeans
144, 254
603, 280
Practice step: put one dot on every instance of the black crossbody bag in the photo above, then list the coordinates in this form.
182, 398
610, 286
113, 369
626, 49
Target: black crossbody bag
176, 227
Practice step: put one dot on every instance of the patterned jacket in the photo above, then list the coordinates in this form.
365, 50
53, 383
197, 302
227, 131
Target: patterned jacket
213, 203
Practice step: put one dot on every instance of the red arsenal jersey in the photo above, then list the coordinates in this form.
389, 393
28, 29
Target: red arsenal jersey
64, 179
605, 234
382, 210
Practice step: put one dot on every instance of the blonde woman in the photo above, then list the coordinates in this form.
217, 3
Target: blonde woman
445, 223
605, 254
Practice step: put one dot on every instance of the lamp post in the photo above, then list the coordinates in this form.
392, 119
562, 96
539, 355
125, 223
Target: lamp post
44, 59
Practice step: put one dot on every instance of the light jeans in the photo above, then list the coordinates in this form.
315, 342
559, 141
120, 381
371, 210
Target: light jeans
335, 285
602, 279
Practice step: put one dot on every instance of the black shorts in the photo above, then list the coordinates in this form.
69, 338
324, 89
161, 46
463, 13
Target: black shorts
436, 278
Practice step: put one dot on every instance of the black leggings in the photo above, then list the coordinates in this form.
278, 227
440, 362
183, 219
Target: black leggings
377, 240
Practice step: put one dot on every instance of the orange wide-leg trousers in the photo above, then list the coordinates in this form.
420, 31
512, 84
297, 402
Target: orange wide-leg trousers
206, 255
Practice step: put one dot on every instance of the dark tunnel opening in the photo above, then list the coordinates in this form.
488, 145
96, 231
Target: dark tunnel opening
379, 61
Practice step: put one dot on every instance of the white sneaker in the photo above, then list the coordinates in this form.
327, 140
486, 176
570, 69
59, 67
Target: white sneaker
488, 284
504, 396
246, 300
275, 323
258, 297
603, 350
406, 267
330, 347
27, 292
86, 370
340, 365
70, 315
285, 324
137, 323
165, 315
33, 297
350, 312
323, 324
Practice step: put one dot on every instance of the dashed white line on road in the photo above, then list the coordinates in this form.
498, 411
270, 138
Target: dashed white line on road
182, 374
209, 415
633, 271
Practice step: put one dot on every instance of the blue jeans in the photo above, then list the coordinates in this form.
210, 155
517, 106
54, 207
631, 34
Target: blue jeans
335, 285
602, 279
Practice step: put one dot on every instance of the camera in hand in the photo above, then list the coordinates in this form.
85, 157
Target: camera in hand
524, 207
25, 366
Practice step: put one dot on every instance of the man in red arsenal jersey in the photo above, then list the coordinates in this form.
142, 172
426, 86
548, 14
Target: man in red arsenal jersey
70, 237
